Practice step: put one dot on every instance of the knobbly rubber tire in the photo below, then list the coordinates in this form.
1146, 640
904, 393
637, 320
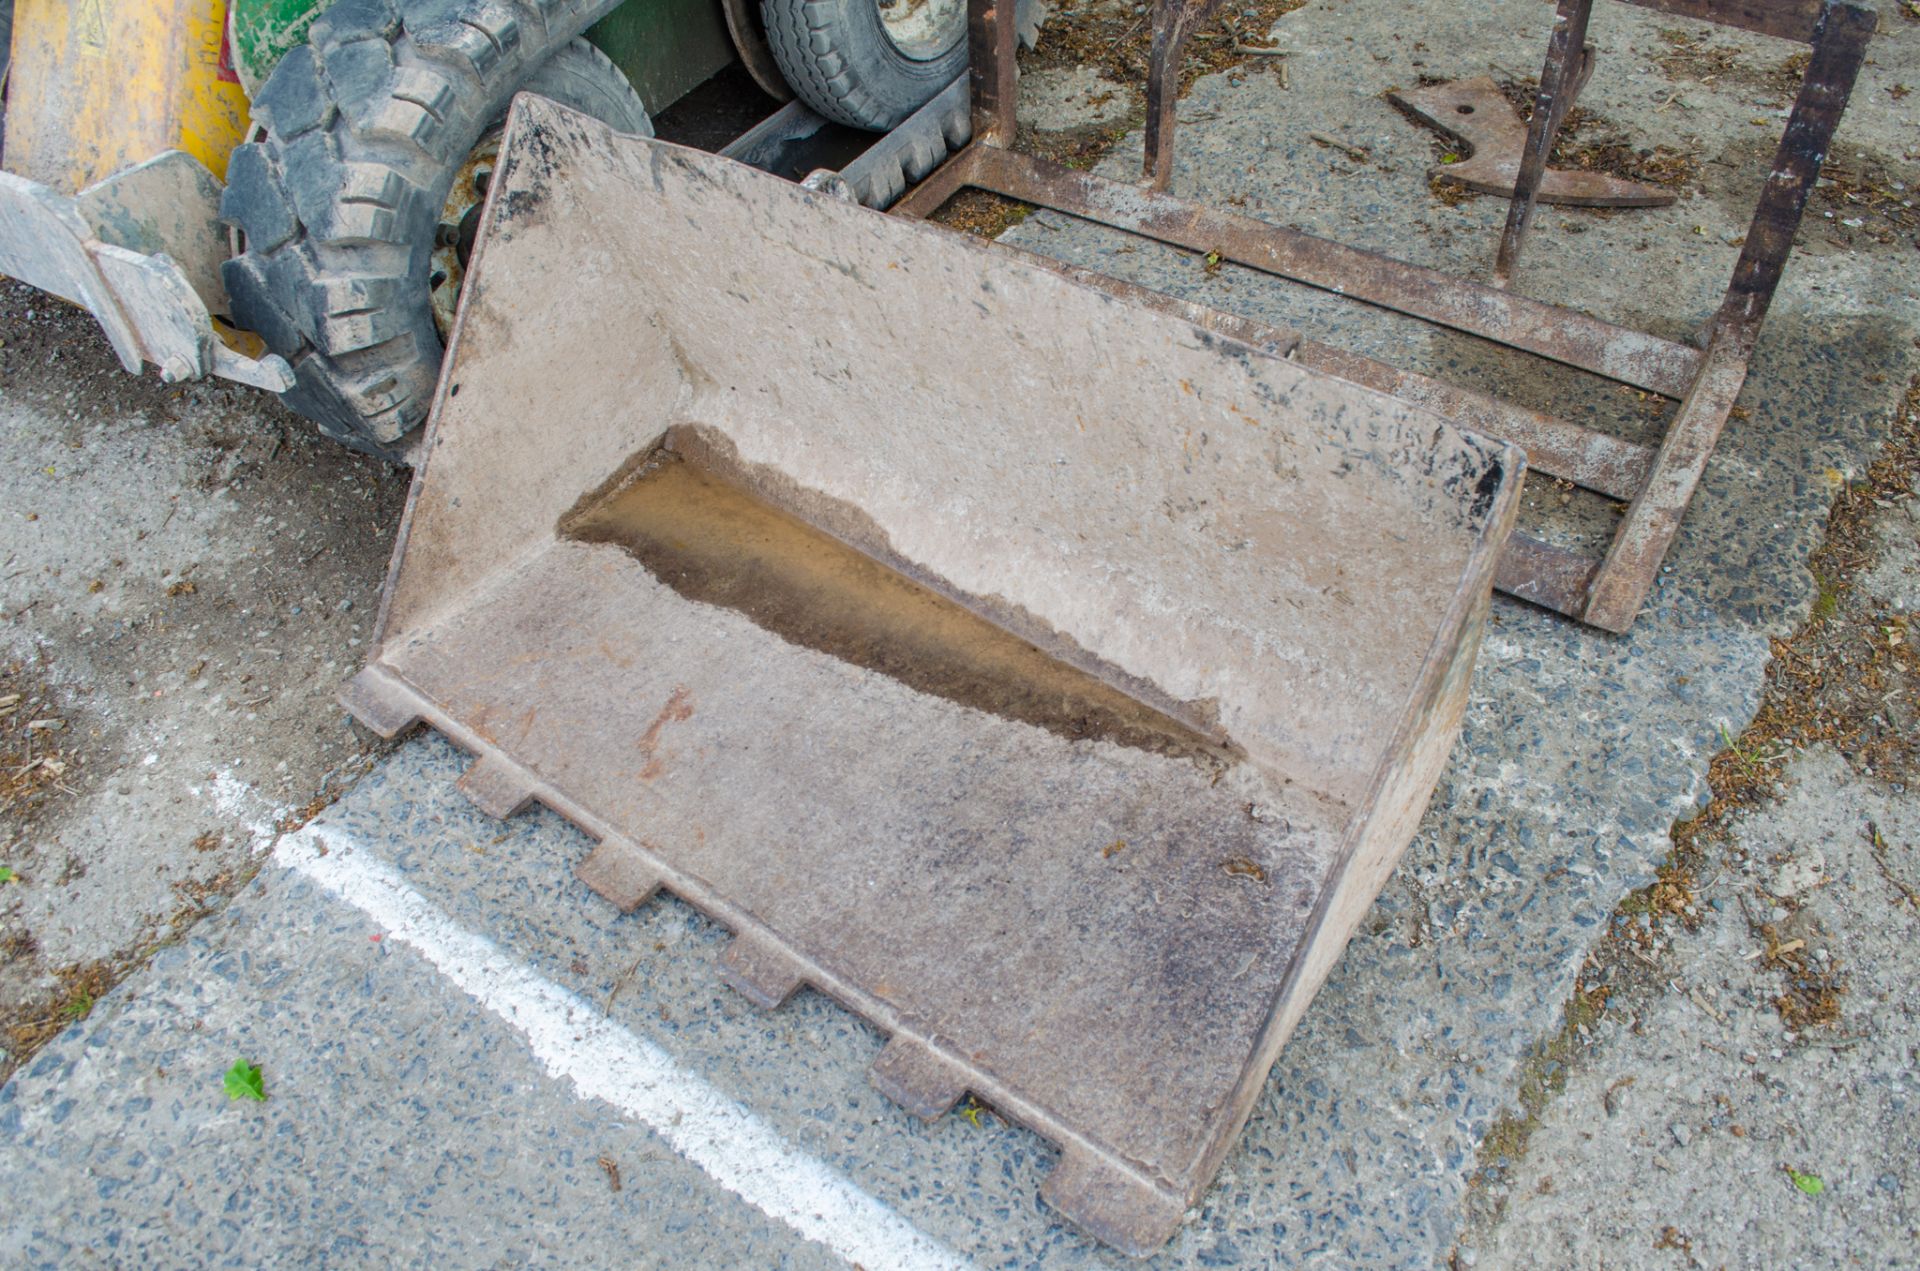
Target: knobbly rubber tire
838, 58
359, 133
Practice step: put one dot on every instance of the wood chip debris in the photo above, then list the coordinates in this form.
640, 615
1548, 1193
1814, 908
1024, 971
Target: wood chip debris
1357, 153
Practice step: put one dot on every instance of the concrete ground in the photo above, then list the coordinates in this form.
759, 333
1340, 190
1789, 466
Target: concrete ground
186, 574
1702, 1130
471, 1060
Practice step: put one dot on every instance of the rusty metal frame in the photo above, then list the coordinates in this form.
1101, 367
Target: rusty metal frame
1656, 482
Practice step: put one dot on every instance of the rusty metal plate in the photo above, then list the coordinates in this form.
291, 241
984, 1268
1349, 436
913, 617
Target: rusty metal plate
1477, 114
1048, 679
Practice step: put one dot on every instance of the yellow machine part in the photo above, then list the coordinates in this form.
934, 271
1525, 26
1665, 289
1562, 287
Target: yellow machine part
98, 85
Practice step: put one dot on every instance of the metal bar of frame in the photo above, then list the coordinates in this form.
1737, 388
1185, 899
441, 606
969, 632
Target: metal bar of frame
991, 36
1606, 464
1618, 353
1174, 22
1569, 62
1784, 19
1657, 483
1641, 540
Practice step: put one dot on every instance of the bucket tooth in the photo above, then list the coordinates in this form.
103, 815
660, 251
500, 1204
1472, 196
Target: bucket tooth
761, 973
913, 1076
1112, 1204
496, 787
620, 874
381, 702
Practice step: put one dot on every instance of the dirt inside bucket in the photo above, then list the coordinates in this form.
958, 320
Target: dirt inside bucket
717, 543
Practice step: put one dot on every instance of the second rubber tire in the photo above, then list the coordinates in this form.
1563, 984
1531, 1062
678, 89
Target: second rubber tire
840, 60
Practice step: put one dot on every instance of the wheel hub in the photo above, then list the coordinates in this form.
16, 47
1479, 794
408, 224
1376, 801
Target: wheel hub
923, 29
453, 234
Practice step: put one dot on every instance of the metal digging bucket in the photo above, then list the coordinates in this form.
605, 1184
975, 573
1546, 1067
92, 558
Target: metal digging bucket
1048, 679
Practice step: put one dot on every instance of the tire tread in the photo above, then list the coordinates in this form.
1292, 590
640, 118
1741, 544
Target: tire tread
360, 131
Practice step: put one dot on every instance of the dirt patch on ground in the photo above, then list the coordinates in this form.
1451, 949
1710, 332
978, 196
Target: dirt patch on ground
37, 760
187, 573
1702, 58
1117, 39
42, 769
35, 1023
1851, 676
1864, 201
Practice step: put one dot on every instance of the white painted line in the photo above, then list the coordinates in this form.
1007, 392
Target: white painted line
233, 797
575, 1042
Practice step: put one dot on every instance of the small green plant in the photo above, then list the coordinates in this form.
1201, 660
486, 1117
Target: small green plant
1811, 1184
1827, 602
79, 1006
7, 875
1752, 759
244, 1081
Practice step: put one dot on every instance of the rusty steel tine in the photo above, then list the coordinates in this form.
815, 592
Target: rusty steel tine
1582, 72
1839, 49
947, 180
1567, 67
1174, 22
991, 35
1641, 541
1272, 340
